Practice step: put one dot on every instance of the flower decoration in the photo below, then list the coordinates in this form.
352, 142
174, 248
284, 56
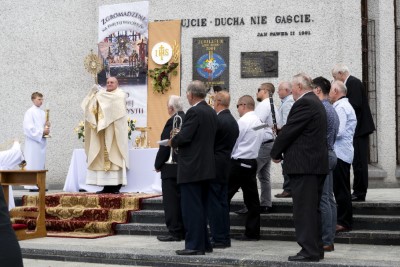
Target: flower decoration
131, 127
80, 130
161, 76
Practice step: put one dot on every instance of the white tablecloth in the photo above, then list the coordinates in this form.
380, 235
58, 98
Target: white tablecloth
141, 176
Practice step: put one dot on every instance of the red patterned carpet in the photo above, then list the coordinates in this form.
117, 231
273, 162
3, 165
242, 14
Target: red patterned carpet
83, 215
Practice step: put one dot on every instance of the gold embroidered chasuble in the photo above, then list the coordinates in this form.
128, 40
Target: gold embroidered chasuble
106, 139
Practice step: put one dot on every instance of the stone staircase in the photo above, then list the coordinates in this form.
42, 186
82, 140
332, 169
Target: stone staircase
375, 223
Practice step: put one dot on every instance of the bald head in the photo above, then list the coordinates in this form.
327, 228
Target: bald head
338, 90
112, 84
284, 89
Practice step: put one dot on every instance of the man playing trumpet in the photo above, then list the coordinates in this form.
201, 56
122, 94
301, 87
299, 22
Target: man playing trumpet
170, 189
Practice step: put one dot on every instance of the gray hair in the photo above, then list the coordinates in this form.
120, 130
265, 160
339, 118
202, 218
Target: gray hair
304, 80
342, 87
175, 102
197, 89
287, 86
340, 68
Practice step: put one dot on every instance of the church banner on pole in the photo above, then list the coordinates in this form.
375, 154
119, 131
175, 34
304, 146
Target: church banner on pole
123, 46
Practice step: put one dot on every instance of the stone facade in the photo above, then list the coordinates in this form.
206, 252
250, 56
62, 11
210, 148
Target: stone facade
44, 43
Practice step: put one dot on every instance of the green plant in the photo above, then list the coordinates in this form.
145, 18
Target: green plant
161, 80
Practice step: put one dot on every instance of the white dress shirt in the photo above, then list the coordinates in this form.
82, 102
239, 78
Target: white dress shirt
284, 110
347, 124
263, 111
249, 141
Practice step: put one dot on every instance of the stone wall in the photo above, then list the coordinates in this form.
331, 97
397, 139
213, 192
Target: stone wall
44, 43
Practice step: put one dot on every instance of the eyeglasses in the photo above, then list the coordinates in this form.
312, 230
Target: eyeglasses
238, 105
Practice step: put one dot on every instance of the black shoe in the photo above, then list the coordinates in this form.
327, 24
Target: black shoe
284, 194
355, 198
168, 238
209, 250
246, 238
82, 190
220, 245
242, 211
265, 209
302, 258
187, 252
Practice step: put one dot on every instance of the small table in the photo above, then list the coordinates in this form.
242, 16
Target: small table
141, 175
29, 177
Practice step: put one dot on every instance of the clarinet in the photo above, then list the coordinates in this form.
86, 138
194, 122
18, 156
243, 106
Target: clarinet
275, 126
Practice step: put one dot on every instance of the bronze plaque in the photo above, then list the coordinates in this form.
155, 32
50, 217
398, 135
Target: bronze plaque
259, 64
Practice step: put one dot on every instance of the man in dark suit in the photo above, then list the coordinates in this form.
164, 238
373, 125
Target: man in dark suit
196, 167
170, 189
218, 206
365, 126
302, 144
10, 251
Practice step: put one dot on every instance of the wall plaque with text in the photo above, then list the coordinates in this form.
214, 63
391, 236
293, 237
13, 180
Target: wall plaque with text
259, 64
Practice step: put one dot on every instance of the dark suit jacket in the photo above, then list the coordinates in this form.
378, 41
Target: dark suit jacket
358, 99
302, 140
10, 251
167, 170
196, 144
225, 139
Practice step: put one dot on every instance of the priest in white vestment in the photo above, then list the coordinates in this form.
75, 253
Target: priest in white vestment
106, 137
35, 128
9, 160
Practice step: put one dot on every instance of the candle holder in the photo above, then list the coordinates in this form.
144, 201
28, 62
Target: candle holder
47, 111
141, 140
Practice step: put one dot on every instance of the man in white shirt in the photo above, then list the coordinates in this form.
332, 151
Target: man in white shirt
285, 94
35, 128
264, 112
244, 166
345, 153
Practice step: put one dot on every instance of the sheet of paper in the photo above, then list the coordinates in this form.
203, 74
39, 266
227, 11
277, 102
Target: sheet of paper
163, 142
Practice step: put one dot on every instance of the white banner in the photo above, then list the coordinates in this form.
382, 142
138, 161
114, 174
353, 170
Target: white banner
122, 17
123, 39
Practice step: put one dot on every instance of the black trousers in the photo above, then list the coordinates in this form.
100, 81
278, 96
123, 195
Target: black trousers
360, 166
218, 213
341, 189
243, 175
306, 193
10, 251
172, 207
194, 213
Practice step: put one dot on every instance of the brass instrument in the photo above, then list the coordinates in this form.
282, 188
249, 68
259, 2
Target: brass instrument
176, 127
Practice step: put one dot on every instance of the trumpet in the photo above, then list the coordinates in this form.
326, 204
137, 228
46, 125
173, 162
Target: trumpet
176, 127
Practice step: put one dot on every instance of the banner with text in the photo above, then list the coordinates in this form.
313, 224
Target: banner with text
123, 39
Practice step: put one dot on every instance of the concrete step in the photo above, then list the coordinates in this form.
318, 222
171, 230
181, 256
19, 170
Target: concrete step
286, 206
370, 222
148, 251
373, 237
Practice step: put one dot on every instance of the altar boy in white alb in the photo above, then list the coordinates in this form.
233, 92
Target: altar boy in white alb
35, 128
